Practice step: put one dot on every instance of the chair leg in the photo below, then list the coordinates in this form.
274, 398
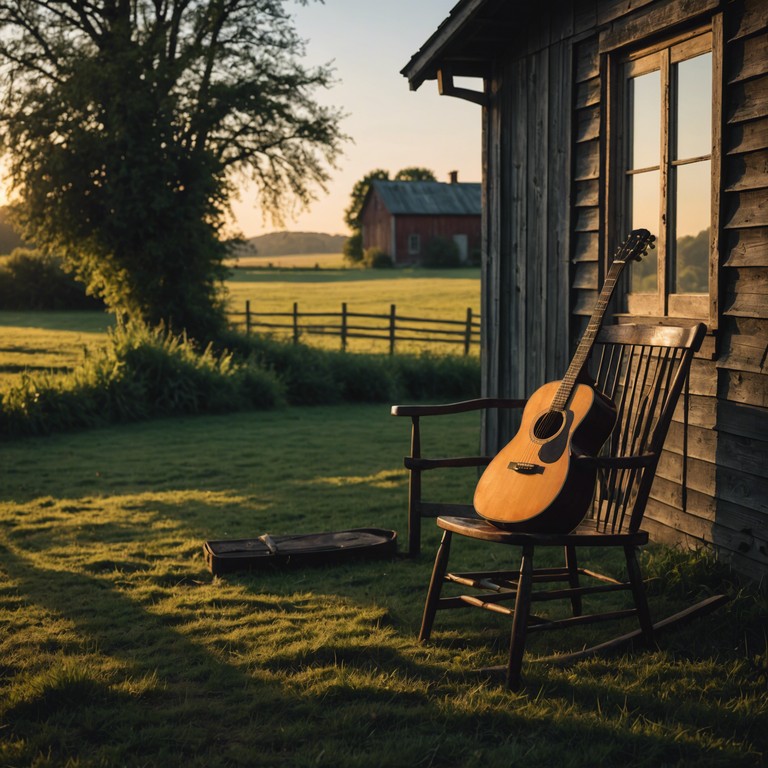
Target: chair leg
638, 592
435, 586
573, 578
520, 619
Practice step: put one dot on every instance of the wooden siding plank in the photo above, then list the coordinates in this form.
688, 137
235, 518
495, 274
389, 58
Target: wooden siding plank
746, 305
747, 248
586, 193
746, 209
747, 171
747, 137
747, 17
659, 17
586, 276
702, 411
587, 123
587, 220
748, 100
587, 161
587, 93
586, 247
559, 208
744, 345
744, 421
746, 280
534, 304
584, 302
743, 387
748, 59
587, 61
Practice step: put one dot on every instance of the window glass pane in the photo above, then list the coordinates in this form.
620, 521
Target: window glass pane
692, 220
645, 118
694, 107
644, 207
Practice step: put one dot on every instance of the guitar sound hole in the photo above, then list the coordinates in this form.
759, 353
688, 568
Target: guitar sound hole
548, 425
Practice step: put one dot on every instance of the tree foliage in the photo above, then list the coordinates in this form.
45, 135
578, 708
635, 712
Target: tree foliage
359, 191
127, 123
415, 173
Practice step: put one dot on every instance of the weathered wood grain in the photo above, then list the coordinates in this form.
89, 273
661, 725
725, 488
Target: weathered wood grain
746, 209
747, 137
747, 100
747, 58
747, 171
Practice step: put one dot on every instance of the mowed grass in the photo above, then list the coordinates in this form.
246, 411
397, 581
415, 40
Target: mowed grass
293, 261
32, 342
57, 341
119, 648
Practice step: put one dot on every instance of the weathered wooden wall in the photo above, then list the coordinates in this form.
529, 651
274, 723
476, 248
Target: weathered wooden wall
545, 231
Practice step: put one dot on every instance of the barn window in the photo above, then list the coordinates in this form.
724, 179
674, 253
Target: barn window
414, 244
666, 174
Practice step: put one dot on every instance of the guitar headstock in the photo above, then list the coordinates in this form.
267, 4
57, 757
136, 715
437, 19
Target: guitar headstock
636, 245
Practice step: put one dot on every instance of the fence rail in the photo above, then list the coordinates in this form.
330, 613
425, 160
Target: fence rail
390, 328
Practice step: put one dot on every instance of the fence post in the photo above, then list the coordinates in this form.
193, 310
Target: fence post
248, 317
343, 326
468, 331
392, 311
295, 322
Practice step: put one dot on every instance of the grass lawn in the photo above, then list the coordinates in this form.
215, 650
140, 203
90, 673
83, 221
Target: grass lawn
119, 648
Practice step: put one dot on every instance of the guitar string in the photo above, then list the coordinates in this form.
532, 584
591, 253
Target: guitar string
633, 246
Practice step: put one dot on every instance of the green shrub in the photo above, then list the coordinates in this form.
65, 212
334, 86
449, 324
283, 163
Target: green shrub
375, 258
353, 248
310, 375
141, 373
30, 280
441, 253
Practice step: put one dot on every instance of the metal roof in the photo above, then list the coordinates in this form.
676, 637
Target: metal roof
423, 198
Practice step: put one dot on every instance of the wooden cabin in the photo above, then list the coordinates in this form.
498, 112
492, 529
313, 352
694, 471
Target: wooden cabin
402, 218
604, 115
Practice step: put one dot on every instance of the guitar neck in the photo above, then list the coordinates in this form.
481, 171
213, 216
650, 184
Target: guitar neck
588, 337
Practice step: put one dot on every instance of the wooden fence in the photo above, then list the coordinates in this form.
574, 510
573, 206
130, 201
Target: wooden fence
390, 328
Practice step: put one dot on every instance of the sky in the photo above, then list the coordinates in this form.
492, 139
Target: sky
391, 126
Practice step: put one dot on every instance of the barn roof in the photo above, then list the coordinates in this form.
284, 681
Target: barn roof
419, 198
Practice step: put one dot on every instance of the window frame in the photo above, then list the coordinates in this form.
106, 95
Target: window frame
414, 244
641, 57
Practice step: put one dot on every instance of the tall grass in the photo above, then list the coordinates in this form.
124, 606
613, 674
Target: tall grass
143, 373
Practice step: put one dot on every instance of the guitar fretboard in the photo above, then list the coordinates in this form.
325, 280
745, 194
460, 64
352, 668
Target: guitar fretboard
565, 390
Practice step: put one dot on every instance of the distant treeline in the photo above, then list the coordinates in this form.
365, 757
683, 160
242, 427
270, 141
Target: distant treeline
291, 243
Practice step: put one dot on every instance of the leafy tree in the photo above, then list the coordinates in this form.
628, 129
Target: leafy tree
359, 191
353, 248
415, 173
127, 123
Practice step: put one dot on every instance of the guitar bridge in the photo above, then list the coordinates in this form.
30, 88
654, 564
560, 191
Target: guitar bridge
525, 467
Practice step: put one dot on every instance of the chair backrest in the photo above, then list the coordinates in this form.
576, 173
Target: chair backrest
643, 369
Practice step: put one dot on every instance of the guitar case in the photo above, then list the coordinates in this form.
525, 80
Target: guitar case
330, 548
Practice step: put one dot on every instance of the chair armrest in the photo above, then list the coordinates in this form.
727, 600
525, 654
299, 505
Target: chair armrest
460, 407
618, 462
412, 462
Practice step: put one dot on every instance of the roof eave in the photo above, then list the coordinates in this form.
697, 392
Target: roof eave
426, 62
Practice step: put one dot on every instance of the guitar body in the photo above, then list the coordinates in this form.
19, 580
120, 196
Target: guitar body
533, 484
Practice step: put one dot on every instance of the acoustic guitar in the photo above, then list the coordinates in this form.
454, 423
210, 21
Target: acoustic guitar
533, 484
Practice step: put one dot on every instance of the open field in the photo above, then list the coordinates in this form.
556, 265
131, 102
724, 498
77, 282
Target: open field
297, 261
46, 341
119, 648
40, 341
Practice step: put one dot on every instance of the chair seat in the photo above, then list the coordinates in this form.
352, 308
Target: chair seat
585, 534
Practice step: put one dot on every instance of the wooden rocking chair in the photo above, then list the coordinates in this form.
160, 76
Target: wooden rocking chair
643, 370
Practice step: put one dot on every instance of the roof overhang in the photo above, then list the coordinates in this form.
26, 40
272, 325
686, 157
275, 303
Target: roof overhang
464, 45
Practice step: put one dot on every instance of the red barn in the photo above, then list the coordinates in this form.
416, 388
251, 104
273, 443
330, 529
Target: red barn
402, 217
